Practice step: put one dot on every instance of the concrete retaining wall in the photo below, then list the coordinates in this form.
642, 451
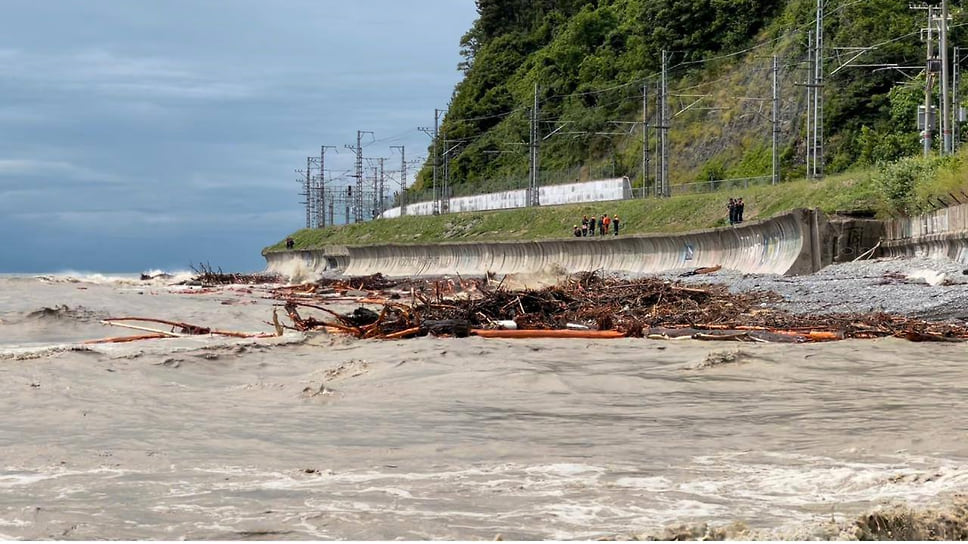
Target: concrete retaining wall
307, 264
800, 242
788, 244
550, 195
940, 234
850, 238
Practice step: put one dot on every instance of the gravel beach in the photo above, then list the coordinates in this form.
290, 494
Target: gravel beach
931, 289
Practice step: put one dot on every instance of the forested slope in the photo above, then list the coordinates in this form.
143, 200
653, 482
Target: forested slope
595, 63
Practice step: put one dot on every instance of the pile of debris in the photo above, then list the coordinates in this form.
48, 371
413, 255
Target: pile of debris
206, 276
175, 329
586, 305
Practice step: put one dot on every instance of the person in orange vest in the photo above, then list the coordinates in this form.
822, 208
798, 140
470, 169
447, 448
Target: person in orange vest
606, 221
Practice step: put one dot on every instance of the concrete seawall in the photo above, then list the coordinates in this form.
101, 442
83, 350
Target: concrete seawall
788, 244
940, 234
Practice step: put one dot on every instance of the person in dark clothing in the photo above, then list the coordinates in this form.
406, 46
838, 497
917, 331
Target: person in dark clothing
732, 211
739, 210
577, 231
615, 224
290, 243
591, 226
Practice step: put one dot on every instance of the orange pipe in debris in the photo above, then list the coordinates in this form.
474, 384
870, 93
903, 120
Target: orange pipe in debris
401, 334
545, 333
824, 335
812, 335
119, 339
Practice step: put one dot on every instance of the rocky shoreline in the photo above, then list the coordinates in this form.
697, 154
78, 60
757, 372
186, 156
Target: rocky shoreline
930, 289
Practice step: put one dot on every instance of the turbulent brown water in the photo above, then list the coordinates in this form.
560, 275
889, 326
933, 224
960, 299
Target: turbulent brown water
327, 438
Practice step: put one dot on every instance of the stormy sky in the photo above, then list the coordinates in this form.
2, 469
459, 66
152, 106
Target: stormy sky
156, 134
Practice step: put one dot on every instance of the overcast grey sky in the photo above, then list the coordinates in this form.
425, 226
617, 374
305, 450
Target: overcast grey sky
159, 133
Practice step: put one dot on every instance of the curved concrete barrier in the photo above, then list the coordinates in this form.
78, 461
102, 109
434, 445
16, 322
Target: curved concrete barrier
787, 244
939, 234
952, 246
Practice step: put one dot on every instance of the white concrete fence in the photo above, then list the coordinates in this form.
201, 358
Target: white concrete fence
549, 195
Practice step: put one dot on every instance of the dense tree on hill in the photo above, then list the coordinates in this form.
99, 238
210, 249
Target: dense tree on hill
591, 59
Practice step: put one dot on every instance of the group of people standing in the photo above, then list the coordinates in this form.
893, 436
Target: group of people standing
735, 207
590, 224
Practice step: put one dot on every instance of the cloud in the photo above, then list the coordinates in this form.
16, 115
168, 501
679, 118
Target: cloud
13, 115
173, 127
16, 169
187, 90
98, 218
105, 64
105, 72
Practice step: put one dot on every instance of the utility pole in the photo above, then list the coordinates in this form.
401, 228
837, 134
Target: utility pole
321, 200
776, 120
436, 160
928, 85
664, 126
657, 162
301, 180
433, 154
956, 104
374, 204
814, 85
445, 179
358, 200
818, 160
309, 193
927, 120
533, 199
445, 192
946, 146
645, 137
810, 90
380, 190
358, 205
348, 204
403, 178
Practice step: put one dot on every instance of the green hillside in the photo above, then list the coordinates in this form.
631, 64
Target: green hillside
907, 186
595, 65
596, 62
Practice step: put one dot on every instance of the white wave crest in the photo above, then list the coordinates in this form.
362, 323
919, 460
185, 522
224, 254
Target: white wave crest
295, 270
151, 277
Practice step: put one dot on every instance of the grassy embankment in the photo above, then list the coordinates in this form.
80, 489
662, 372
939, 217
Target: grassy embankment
860, 190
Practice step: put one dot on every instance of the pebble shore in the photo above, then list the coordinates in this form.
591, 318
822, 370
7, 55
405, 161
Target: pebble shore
931, 289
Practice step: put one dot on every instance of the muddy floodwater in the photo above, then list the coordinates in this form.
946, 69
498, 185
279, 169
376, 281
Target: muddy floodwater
323, 437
